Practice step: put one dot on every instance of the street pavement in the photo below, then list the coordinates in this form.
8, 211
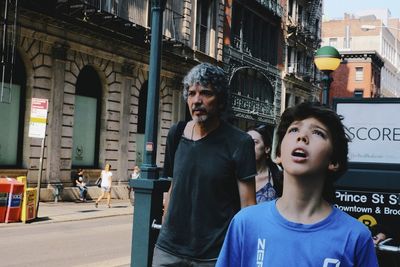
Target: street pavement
63, 211
53, 212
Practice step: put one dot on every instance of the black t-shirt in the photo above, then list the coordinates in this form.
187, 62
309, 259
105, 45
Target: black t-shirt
205, 193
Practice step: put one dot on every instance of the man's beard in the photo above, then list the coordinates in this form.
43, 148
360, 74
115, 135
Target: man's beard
201, 118
206, 116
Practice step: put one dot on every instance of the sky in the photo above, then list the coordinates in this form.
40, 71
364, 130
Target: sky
336, 8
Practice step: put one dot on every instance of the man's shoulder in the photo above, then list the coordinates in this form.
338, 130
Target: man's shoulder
178, 126
173, 128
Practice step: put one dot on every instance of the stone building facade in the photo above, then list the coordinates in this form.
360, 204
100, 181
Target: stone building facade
90, 59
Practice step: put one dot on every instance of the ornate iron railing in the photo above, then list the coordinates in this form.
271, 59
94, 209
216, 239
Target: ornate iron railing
273, 6
133, 12
250, 108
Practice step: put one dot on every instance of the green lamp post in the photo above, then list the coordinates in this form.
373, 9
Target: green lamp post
149, 189
327, 59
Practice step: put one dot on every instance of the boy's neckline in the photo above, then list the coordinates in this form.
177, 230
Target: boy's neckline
292, 212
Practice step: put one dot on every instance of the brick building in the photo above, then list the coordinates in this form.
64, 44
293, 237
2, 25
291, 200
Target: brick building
370, 31
358, 75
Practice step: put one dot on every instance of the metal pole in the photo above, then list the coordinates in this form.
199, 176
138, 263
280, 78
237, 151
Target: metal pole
149, 162
148, 189
39, 181
326, 81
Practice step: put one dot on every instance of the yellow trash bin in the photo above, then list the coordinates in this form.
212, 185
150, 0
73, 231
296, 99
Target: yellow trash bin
28, 212
29, 205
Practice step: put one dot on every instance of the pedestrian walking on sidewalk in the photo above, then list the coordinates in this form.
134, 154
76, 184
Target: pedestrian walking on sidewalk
212, 174
106, 181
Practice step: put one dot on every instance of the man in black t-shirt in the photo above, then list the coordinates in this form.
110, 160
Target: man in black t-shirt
212, 167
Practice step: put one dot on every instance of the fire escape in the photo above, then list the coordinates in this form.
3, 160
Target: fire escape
303, 38
250, 60
123, 20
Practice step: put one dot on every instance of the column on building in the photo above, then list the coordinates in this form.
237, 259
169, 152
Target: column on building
55, 118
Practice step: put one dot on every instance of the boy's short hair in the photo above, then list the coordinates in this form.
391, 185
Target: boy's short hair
331, 120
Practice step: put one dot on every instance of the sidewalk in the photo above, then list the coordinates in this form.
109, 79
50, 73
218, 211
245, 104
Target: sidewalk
52, 212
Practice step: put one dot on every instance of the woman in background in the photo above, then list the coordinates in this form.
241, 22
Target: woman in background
106, 180
269, 176
134, 175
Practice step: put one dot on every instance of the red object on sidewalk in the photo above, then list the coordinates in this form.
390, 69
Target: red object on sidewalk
4, 191
12, 191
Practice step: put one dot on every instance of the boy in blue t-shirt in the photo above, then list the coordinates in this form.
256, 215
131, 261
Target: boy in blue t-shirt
302, 228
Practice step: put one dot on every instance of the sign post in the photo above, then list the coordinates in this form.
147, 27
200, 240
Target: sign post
37, 129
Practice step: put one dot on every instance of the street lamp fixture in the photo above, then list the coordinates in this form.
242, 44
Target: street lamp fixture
327, 59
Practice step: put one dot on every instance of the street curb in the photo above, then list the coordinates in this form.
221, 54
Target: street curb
50, 212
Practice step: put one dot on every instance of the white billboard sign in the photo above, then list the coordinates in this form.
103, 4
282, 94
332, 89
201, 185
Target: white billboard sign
38, 119
374, 131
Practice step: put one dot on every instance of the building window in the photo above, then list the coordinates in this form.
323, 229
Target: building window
172, 19
290, 8
359, 73
252, 84
333, 42
358, 93
347, 38
141, 123
300, 15
9, 115
288, 100
205, 26
253, 35
12, 110
86, 129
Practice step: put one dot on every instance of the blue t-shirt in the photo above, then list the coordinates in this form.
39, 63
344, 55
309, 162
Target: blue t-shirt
260, 236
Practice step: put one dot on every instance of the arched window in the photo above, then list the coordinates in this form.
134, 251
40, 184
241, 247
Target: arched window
141, 123
252, 84
12, 110
86, 130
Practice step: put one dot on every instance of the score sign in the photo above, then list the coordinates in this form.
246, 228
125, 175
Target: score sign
374, 131
38, 119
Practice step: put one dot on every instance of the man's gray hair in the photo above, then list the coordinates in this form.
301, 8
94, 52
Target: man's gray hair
206, 74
